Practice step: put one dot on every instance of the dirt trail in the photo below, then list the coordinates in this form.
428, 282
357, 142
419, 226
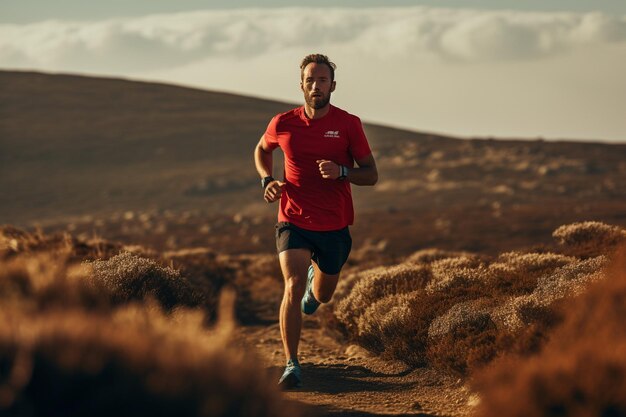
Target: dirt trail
341, 380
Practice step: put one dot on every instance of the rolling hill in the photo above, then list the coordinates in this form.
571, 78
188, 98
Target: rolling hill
99, 153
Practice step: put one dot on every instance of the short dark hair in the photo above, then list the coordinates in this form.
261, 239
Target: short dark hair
318, 59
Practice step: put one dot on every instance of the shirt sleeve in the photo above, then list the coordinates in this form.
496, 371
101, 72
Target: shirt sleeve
271, 137
359, 147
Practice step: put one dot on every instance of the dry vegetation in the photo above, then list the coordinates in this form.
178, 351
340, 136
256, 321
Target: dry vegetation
460, 311
122, 335
582, 369
99, 328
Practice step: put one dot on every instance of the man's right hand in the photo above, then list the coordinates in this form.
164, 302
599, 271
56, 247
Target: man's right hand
273, 191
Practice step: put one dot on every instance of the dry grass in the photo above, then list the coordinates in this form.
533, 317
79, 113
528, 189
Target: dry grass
428, 256
376, 284
118, 273
136, 360
582, 369
460, 311
396, 326
122, 336
127, 277
589, 238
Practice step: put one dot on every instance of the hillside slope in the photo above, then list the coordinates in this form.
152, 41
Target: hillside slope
74, 147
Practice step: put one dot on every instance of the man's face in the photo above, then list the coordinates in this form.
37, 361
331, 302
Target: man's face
317, 85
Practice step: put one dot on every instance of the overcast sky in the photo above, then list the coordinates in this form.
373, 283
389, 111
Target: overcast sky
552, 69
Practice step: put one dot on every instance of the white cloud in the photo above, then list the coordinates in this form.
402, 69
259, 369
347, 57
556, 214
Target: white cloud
182, 38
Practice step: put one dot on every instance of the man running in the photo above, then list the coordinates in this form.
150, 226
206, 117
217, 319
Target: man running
321, 143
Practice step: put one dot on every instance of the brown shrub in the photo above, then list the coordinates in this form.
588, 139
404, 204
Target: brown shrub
472, 333
428, 256
94, 339
516, 273
582, 369
534, 262
42, 281
376, 284
465, 310
589, 239
517, 312
461, 314
465, 347
131, 361
45, 271
384, 327
127, 277
451, 273
348, 281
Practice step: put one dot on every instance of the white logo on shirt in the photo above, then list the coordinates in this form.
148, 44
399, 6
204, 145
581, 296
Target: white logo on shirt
331, 134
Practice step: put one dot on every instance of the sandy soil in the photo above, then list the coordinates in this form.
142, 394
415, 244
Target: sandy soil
344, 380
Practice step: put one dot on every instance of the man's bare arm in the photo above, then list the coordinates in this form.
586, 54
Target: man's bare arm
264, 161
366, 173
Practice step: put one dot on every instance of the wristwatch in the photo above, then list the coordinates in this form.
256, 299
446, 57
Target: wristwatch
343, 172
265, 181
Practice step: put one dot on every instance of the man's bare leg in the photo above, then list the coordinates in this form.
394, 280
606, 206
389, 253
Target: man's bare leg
324, 285
294, 264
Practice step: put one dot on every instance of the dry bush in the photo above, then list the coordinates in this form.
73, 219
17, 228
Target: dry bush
464, 337
450, 273
532, 262
110, 337
428, 256
461, 314
582, 369
127, 277
43, 281
347, 282
589, 239
386, 328
518, 273
119, 273
568, 280
465, 310
377, 284
131, 361
473, 332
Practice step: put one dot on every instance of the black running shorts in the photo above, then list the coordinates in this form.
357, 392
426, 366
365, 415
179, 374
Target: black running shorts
329, 250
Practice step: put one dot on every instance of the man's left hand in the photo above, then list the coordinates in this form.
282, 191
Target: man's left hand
329, 169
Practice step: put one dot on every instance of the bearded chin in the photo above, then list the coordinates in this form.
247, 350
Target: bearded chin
318, 103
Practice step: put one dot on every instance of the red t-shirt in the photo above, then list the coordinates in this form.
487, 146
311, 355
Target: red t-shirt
308, 200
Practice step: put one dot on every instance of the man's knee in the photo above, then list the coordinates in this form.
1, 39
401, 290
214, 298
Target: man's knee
325, 296
295, 286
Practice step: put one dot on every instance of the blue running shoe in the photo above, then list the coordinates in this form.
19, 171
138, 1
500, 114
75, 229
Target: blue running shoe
309, 303
292, 377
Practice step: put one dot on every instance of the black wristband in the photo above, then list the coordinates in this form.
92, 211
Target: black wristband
343, 172
265, 181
